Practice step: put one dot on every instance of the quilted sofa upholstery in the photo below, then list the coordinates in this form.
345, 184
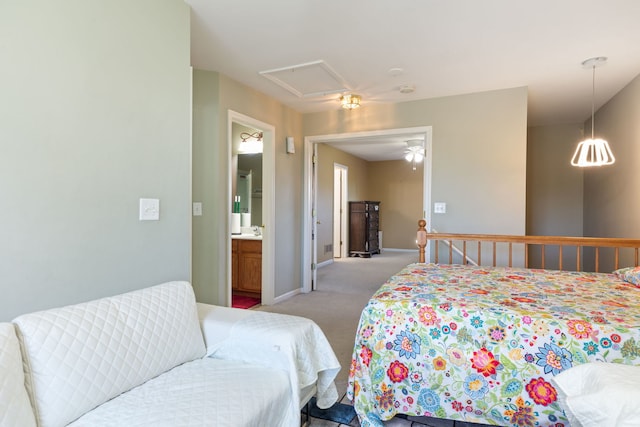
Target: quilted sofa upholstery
136, 359
15, 408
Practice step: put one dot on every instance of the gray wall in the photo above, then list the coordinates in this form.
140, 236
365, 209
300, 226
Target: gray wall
208, 185
479, 153
95, 111
611, 203
594, 202
554, 189
479, 167
214, 96
358, 189
393, 183
400, 191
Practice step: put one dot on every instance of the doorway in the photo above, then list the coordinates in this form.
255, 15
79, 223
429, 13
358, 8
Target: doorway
310, 220
267, 205
340, 197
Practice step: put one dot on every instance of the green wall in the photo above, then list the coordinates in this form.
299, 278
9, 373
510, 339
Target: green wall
95, 111
212, 172
479, 153
479, 167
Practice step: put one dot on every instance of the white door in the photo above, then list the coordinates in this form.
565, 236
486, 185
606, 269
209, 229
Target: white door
340, 213
314, 219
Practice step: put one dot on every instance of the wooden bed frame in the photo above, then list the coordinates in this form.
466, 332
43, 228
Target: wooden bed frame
631, 246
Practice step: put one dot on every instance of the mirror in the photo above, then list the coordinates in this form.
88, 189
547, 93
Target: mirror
247, 178
249, 186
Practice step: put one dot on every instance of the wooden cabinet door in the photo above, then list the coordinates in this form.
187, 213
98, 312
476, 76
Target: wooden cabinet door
250, 266
234, 265
250, 272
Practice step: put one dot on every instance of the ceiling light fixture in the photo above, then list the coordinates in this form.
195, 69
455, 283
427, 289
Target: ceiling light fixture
414, 152
251, 143
350, 101
592, 151
407, 88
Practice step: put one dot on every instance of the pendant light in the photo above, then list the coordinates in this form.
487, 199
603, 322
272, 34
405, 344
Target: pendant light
592, 151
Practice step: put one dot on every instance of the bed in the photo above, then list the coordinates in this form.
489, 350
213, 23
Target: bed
482, 344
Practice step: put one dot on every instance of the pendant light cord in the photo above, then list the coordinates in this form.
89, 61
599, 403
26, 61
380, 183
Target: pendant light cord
593, 99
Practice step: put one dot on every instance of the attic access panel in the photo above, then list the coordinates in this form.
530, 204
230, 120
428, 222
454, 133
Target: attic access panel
307, 80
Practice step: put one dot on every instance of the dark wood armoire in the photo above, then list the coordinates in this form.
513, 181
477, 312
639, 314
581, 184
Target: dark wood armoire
364, 223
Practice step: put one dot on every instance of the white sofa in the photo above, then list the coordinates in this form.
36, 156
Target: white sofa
155, 357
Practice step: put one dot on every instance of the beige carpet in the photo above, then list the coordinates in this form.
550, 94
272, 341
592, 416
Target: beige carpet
343, 289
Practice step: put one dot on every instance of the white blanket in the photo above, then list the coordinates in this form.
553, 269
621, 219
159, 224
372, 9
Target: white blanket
292, 343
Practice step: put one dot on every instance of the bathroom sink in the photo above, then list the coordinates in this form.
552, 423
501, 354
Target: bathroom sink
246, 236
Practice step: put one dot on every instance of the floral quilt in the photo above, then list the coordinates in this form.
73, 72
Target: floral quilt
480, 344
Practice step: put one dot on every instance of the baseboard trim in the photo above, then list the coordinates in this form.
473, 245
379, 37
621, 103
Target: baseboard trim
399, 250
325, 263
287, 296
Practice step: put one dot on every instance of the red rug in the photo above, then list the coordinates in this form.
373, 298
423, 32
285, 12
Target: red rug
240, 301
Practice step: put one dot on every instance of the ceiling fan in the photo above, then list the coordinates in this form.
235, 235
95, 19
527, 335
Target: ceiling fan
414, 152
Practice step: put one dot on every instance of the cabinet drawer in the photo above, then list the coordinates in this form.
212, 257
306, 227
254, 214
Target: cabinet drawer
251, 246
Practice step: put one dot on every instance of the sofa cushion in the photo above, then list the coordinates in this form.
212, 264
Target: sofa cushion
204, 392
15, 407
80, 356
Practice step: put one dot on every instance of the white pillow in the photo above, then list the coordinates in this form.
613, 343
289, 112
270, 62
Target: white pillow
15, 407
600, 394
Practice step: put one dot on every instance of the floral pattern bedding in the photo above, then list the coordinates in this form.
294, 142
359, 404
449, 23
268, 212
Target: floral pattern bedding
480, 344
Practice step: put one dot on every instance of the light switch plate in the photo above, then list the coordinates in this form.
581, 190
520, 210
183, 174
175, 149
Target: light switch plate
197, 208
439, 207
149, 209
291, 147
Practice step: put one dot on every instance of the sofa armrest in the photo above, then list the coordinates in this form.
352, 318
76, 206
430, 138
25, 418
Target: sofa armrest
216, 323
15, 406
279, 341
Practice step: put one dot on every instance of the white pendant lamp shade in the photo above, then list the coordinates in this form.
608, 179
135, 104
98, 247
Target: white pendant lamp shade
593, 151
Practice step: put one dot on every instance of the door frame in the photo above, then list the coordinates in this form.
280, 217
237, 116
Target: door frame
268, 204
309, 249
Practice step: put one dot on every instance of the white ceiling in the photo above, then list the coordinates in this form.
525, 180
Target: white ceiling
376, 148
442, 47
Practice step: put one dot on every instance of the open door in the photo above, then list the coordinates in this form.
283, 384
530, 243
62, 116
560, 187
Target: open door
340, 214
314, 219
